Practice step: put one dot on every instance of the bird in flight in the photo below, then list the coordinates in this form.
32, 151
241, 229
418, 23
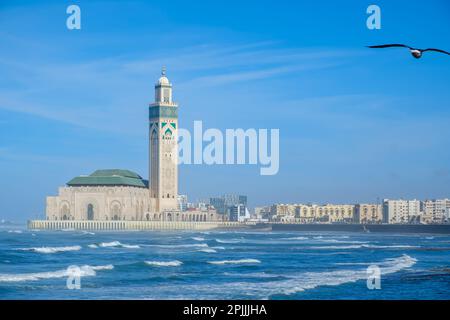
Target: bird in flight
416, 53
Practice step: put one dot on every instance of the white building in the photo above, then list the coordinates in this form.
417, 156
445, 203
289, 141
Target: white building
400, 211
182, 202
436, 211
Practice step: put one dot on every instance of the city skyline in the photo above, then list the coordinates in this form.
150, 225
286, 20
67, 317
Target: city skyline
354, 125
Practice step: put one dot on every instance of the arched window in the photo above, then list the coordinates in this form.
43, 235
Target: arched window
115, 210
65, 211
90, 211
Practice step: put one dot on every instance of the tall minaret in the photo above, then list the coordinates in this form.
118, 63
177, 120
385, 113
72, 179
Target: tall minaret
163, 115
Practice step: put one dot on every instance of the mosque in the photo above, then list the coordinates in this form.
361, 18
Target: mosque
123, 195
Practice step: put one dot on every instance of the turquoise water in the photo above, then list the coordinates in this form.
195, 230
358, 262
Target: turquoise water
221, 265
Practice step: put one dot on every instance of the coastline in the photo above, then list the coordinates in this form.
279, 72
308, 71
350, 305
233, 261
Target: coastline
211, 225
386, 228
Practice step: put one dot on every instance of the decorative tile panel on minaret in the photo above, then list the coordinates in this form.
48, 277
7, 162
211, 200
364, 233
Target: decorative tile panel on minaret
163, 116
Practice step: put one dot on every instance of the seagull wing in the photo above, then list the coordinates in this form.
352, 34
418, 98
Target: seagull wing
437, 50
390, 45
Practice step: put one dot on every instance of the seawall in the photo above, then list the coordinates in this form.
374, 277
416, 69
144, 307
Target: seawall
130, 225
392, 228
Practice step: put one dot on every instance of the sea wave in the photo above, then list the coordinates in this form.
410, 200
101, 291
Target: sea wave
84, 271
52, 249
342, 241
15, 231
228, 241
173, 263
239, 261
207, 250
366, 246
336, 247
114, 244
299, 282
295, 238
198, 238
176, 246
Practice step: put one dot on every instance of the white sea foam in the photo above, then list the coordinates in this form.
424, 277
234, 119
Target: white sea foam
198, 238
15, 231
295, 238
359, 246
252, 275
228, 241
87, 232
68, 229
218, 248
240, 261
110, 244
173, 263
337, 247
105, 267
399, 246
130, 246
175, 246
342, 241
114, 244
84, 271
53, 249
207, 250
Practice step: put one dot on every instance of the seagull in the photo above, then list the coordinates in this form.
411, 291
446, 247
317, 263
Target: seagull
416, 53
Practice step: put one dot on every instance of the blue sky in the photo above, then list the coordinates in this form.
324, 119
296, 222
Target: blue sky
355, 124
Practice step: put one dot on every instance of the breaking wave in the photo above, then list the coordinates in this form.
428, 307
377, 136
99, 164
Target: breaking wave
84, 271
53, 249
207, 250
114, 244
228, 241
240, 261
367, 246
15, 231
295, 238
198, 238
175, 246
173, 263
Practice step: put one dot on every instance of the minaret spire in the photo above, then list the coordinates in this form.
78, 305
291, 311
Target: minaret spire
163, 71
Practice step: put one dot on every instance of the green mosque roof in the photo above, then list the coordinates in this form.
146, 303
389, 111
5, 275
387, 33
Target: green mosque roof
109, 177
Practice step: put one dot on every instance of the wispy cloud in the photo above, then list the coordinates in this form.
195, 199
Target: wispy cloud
101, 93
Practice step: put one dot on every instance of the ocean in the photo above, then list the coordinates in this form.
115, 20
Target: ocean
221, 265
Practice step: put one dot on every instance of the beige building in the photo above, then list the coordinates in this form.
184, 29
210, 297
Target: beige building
123, 195
335, 212
283, 212
368, 213
331, 213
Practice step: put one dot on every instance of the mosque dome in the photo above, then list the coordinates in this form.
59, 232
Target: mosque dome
109, 177
163, 79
